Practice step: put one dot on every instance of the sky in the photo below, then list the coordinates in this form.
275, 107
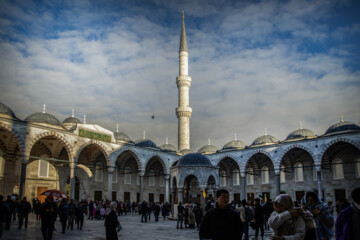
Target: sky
253, 64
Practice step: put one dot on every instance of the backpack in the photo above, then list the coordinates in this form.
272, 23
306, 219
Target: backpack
248, 214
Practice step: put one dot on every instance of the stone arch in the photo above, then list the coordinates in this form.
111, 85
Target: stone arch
249, 156
115, 155
174, 183
17, 136
289, 148
86, 169
96, 143
158, 157
60, 137
337, 140
229, 157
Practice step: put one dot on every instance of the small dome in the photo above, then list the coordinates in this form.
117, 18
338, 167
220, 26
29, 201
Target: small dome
119, 136
145, 143
43, 118
168, 148
208, 149
194, 159
6, 110
71, 120
301, 134
265, 140
186, 151
342, 126
234, 144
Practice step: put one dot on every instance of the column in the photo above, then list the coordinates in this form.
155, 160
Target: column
23, 178
173, 202
243, 188
320, 187
277, 184
167, 188
180, 195
142, 186
72, 180
110, 177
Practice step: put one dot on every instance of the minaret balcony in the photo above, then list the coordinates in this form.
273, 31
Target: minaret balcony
183, 111
183, 80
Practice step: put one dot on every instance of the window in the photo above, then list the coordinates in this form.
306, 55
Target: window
222, 178
338, 169
43, 168
151, 178
98, 172
2, 166
236, 177
282, 173
250, 176
127, 175
265, 175
162, 179
357, 167
114, 177
299, 172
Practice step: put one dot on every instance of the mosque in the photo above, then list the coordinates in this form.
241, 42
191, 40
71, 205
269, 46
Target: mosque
88, 161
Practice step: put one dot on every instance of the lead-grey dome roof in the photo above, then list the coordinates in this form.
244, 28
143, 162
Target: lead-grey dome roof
168, 148
186, 151
72, 120
145, 143
342, 126
265, 140
43, 118
208, 149
300, 134
119, 136
194, 159
234, 144
6, 110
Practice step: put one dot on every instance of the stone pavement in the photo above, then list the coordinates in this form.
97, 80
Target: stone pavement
133, 229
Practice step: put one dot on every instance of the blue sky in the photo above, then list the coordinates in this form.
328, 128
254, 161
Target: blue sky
254, 65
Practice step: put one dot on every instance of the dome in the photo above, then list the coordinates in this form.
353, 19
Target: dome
194, 159
186, 151
265, 140
208, 149
71, 120
168, 148
145, 143
6, 110
119, 136
234, 144
342, 126
43, 118
300, 134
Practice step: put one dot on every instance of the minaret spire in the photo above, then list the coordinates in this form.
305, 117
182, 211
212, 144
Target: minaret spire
44, 109
183, 82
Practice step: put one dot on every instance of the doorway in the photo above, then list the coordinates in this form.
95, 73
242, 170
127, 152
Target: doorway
39, 191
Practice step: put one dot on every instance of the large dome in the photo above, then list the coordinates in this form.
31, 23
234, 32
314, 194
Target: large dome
119, 136
208, 149
168, 148
6, 110
301, 134
265, 140
234, 144
194, 159
43, 118
72, 120
145, 143
342, 126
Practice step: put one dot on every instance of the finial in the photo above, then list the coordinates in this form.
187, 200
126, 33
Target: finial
265, 132
144, 135
341, 118
44, 109
117, 127
209, 141
182, 15
300, 125
84, 119
167, 141
235, 136
73, 113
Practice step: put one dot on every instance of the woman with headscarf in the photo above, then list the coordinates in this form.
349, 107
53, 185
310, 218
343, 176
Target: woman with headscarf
324, 221
111, 222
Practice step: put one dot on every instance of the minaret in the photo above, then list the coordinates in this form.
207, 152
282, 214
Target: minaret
183, 82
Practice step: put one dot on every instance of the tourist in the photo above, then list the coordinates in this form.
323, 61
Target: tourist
143, 211
286, 221
4, 210
23, 212
165, 210
11, 204
157, 212
79, 213
191, 216
48, 212
348, 221
198, 215
71, 215
111, 222
221, 222
259, 218
37, 210
180, 219
63, 213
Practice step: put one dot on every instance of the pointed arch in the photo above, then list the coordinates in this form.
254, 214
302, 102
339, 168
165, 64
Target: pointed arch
291, 147
19, 139
99, 145
337, 140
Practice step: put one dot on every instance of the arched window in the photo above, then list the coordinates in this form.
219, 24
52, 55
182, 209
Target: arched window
282, 173
127, 175
151, 178
265, 175
357, 167
299, 172
114, 177
43, 169
162, 179
2, 166
236, 177
98, 172
338, 169
250, 176
223, 178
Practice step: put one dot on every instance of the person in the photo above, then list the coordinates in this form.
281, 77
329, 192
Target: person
11, 204
157, 211
63, 213
37, 210
91, 210
221, 222
191, 216
286, 221
111, 222
79, 213
348, 221
180, 219
198, 215
324, 221
165, 209
144, 211
48, 213
71, 215
242, 213
4, 210
259, 218
23, 212
248, 218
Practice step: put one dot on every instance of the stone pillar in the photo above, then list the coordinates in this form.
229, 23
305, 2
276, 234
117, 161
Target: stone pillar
180, 195
167, 187
110, 177
243, 188
141, 186
173, 202
23, 178
320, 187
277, 184
72, 180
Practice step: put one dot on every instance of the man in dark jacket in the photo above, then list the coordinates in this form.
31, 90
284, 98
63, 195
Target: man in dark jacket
48, 213
23, 212
4, 210
221, 222
11, 204
259, 218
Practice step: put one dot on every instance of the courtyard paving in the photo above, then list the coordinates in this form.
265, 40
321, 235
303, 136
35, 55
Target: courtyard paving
133, 229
